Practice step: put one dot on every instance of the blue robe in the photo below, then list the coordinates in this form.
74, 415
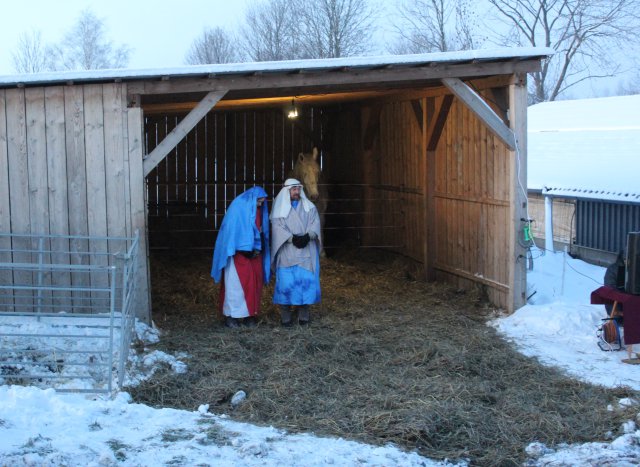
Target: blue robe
238, 232
297, 270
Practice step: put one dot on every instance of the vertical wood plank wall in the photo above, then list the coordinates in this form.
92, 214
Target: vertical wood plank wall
472, 197
394, 203
6, 277
473, 206
71, 164
18, 205
225, 154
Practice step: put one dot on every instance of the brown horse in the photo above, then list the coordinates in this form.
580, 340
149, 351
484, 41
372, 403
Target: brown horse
307, 170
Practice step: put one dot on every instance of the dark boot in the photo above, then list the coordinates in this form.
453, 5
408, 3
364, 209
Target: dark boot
250, 322
230, 322
304, 315
285, 316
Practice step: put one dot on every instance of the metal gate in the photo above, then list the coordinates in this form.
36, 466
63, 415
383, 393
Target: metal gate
66, 310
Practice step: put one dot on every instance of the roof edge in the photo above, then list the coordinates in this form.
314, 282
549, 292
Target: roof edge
288, 66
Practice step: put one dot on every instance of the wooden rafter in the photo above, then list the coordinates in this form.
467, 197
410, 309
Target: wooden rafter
437, 121
417, 110
482, 110
180, 131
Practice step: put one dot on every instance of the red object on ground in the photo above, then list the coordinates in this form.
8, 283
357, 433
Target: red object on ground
631, 310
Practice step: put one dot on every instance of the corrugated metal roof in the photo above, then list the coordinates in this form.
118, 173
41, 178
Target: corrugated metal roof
585, 193
281, 67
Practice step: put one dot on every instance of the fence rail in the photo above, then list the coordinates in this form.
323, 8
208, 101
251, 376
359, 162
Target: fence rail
66, 310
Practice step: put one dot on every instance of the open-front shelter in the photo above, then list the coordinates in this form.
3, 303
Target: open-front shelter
422, 154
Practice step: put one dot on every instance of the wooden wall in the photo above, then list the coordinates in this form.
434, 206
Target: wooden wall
225, 154
472, 205
394, 169
71, 164
472, 190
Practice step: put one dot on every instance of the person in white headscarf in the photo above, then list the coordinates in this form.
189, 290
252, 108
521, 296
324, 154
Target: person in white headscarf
295, 247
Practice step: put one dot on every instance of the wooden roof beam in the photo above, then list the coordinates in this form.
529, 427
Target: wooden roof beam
353, 76
482, 110
180, 131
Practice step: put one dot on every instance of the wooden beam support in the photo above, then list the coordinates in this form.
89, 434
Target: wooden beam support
437, 117
482, 110
428, 178
327, 97
430, 225
498, 99
180, 131
417, 110
373, 127
516, 253
321, 78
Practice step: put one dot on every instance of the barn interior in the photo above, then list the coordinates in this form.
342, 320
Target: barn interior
408, 167
252, 140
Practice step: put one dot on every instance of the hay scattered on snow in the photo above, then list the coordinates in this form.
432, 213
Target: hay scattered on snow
386, 359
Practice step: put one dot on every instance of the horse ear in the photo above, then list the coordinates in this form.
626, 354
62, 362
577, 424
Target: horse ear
315, 153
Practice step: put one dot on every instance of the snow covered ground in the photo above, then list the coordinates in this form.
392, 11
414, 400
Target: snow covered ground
42, 427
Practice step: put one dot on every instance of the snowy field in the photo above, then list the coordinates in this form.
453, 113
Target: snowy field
558, 326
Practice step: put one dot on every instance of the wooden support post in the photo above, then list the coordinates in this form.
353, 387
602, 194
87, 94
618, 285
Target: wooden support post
372, 130
429, 171
435, 117
518, 191
418, 111
181, 130
482, 110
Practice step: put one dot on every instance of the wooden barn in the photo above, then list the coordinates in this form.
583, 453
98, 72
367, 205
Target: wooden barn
424, 155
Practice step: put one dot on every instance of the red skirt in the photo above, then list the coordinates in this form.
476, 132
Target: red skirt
251, 280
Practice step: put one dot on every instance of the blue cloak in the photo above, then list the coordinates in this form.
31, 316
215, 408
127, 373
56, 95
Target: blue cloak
239, 232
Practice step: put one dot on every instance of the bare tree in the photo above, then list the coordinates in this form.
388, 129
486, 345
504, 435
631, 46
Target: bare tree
436, 26
631, 86
31, 55
85, 47
582, 33
336, 28
270, 31
215, 45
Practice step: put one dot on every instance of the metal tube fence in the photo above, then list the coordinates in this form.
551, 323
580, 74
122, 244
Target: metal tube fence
66, 310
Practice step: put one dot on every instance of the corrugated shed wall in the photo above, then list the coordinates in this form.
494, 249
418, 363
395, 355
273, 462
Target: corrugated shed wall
604, 226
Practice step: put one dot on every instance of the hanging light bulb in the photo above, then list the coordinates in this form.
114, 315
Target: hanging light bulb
292, 111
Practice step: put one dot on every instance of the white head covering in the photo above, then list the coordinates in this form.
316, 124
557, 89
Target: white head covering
282, 203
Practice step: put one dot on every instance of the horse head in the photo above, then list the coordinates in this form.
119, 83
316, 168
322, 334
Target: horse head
307, 170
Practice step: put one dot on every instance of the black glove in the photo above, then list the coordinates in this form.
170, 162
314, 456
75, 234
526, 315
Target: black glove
249, 254
300, 241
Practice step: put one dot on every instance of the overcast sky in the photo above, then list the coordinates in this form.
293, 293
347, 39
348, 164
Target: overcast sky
159, 31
